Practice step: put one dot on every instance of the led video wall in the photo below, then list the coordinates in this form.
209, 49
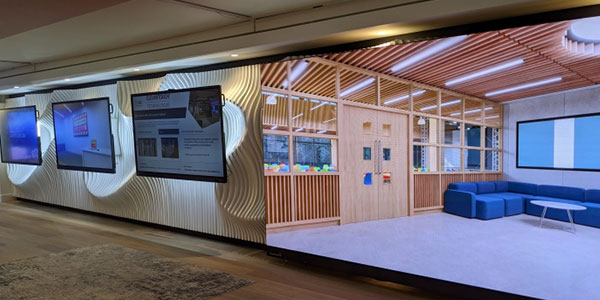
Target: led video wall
83, 135
179, 134
19, 139
566, 143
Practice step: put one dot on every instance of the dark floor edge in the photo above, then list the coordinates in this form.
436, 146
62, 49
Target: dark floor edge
449, 288
204, 235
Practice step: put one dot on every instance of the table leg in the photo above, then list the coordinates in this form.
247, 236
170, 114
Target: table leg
542, 216
571, 220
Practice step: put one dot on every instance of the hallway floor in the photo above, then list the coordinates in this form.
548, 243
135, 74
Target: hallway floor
28, 230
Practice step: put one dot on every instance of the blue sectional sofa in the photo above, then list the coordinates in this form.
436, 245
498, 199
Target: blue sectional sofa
496, 199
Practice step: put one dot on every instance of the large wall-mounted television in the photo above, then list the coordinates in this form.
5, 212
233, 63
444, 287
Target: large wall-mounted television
564, 143
83, 135
19, 139
179, 134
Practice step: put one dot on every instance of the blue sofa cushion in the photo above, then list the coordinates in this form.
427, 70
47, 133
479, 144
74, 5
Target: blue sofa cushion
464, 186
590, 216
522, 188
485, 187
551, 213
459, 203
592, 196
501, 186
562, 192
489, 207
513, 204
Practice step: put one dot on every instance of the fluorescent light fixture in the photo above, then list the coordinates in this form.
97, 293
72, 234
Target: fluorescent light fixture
15, 87
298, 116
322, 103
359, 86
67, 79
442, 105
383, 45
405, 97
477, 110
296, 72
429, 51
321, 131
274, 127
271, 100
524, 86
67, 108
454, 114
234, 55
487, 71
330, 120
299, 129
136, 70
492, 117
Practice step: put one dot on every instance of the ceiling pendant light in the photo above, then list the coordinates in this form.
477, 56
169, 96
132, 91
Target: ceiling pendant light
583, 36
456, 101
437, 47
484, 72
524, 86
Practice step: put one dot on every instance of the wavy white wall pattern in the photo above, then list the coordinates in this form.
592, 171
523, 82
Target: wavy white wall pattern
235, 209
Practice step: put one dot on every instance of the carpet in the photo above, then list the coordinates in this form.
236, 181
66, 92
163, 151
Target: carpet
111, 272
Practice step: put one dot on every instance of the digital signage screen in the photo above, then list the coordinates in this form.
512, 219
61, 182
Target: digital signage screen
179, 134
83, 135
565, 143
19, 139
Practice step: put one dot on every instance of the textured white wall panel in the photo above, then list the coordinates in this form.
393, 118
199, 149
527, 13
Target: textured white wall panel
235, 209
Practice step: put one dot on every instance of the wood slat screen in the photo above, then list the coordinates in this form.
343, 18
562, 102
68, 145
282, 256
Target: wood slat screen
427, 190
278, 199
317, 197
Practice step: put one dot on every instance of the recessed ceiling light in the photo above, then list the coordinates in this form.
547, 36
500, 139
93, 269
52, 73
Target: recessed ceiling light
67, 79
16, 87
524, 86
359, 86
485, 72
429, 51
136, 70
234, 55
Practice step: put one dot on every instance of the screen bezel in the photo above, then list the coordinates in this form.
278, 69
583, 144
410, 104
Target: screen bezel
39, 144
550, 119
111, 170
216, 179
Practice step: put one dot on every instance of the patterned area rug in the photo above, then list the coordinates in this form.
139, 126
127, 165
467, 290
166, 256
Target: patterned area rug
111, 272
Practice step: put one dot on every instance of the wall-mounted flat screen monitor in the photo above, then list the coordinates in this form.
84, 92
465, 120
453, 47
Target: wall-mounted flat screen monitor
179, 134
565, 143
19, 140
83, 135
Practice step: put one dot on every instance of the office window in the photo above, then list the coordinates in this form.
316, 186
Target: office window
451, 157
276, 153
425, 159
472, 160
472, 135
451, 133
314, 155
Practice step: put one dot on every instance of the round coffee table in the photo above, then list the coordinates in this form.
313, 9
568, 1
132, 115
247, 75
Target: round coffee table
558, 205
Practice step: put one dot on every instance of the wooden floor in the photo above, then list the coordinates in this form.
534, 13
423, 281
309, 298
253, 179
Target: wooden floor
28, 229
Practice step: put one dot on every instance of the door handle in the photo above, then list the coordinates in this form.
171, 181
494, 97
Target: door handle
380, 158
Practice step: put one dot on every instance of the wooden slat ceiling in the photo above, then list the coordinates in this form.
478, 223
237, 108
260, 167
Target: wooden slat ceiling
539, 45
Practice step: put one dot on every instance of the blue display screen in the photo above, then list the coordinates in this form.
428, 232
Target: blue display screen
83, 135
19, 136
567, 143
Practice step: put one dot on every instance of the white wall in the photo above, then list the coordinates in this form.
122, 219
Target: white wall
573, 102
235, 209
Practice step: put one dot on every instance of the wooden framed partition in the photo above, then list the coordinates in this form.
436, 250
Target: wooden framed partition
310, 104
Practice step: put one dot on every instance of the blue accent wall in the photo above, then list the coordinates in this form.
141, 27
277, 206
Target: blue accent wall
587, 143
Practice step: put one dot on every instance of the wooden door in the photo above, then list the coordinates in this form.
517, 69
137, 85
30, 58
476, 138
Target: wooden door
393, 165
359, 201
